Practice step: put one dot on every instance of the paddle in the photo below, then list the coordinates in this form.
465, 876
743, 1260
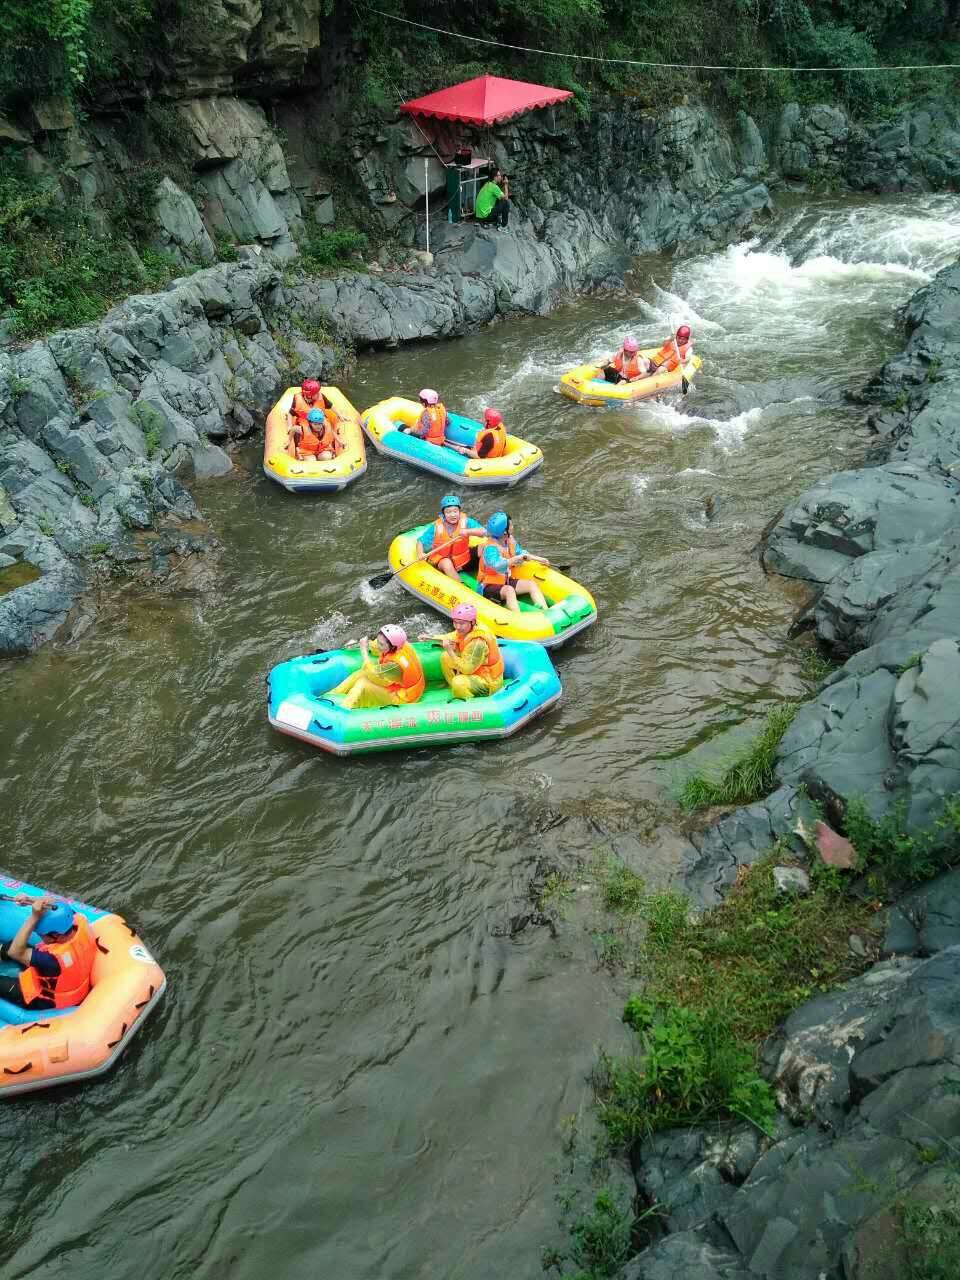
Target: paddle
381, 579
684, 383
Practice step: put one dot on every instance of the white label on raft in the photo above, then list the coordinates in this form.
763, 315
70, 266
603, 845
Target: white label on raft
294, 714
140, 952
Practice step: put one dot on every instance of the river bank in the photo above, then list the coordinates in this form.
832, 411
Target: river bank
855, 1175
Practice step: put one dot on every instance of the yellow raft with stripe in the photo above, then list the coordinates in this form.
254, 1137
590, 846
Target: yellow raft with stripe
587, 385
571, 607
313, 475
383, 420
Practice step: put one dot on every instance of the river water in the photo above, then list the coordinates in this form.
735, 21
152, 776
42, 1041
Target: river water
356, 1072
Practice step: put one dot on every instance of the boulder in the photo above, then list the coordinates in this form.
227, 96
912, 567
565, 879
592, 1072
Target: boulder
180, 229
688, 1255
851, 513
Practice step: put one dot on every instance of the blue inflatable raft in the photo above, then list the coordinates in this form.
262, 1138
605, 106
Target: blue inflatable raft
382, 422
296, 704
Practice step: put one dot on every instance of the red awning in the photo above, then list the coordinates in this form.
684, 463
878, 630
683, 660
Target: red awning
486, 100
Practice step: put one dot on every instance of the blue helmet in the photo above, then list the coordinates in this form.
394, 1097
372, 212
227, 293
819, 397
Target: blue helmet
497, 524
58, 919
315, 415
450, 500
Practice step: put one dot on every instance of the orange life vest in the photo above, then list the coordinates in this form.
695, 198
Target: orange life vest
312, 441
492, 668
75, 955
434, 418
301, 407
413, 684
630, 368
486, 576
666, 357
459, 542
491, 442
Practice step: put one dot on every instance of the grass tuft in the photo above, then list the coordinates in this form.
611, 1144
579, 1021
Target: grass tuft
749, 776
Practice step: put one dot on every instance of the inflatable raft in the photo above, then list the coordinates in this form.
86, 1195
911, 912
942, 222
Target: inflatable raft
297, 705
57, 1046
587, 385
314, 476
571, 607
382, 420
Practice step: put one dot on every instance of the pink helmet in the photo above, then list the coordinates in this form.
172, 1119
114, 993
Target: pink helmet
310, 388
493, 417
395, 637
631, 344
464, 613
429, 396
683, 332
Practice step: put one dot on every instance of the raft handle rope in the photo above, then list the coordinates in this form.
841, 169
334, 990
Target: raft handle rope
636, 62
9, 1071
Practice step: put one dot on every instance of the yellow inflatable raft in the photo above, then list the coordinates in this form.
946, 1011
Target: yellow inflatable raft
571, 607
381, 423
313, 476
587, 385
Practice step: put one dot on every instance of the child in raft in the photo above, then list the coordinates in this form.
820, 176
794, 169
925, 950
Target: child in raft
446, 543
498, 554
318, 436
471, 661
391, 674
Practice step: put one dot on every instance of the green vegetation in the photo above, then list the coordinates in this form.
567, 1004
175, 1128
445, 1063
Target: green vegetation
803, 33
750, 775
713, 990
54, 272
601, 1239
151, 439
891, 855
816, 666
555, 894
331, 249
624, 892
931, 1240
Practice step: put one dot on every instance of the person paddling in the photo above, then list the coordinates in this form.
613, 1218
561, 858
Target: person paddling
676, 351
498, 555
471, 661
56, 973
448, 538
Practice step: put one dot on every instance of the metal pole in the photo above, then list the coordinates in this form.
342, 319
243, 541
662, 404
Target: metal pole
426, 195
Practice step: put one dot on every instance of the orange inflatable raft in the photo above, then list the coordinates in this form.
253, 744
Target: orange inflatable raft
57, 1046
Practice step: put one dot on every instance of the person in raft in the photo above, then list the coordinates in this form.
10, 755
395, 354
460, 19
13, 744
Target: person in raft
674, 352
56, 973
446, 543
471, 661
432, 423
318, 437
492, 205
391, 674
491, 439
498, 554
628, 365
307, 398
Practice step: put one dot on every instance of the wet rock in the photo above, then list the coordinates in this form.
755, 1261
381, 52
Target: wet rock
926, 920
685, 1256
791, 881
849, 514
181, 232
210, 461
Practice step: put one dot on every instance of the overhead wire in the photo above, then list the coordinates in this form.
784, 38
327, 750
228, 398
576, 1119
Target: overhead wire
670, 66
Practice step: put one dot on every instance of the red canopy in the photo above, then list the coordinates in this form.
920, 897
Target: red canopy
486, 100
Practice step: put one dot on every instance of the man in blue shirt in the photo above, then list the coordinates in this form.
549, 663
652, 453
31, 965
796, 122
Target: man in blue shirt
446, 543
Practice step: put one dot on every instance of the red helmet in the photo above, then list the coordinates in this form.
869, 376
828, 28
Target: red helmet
310, 388
683, 332
493, 417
